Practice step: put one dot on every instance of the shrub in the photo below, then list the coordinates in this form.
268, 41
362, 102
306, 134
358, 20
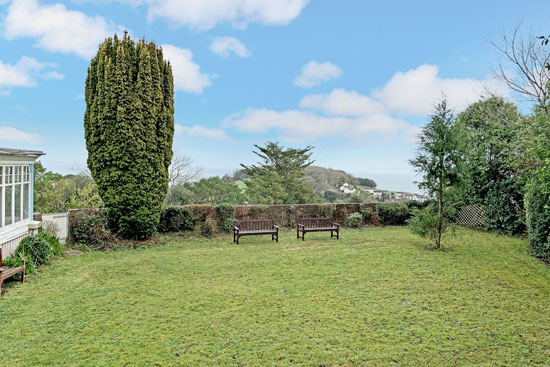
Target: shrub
354, 220
414, 204
35, 249
227, 217
538, 213
175, 219
56, 246
370, 215
17, 260
50, 228
88, 228
393, 214
425, 223
207, 228
324, 210
503, 206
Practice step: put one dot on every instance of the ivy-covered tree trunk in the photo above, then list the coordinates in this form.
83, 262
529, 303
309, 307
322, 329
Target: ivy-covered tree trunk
129, 128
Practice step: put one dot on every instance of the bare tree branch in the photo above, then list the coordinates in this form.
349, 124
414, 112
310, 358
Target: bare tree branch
183, 169
529, 58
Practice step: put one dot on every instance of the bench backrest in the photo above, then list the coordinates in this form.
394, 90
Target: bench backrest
315, 222
254, 225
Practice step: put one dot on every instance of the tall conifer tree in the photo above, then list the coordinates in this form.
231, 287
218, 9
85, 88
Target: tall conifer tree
129, 128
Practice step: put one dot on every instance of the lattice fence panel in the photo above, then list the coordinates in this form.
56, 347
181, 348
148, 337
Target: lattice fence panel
472, 216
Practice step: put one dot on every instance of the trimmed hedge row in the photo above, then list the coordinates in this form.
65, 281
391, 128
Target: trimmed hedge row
89, 227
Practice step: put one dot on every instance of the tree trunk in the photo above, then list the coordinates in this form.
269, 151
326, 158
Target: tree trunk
439, 215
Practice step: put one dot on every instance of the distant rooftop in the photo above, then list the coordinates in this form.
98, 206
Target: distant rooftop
21, 152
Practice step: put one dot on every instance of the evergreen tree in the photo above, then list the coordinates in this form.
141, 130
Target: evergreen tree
129, 127
436, 161
289, 165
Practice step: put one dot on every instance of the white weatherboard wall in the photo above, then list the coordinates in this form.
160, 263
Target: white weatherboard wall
16, 196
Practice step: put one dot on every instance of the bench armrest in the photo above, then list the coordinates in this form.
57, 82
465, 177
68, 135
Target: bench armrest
276, 227
236, 229
336, 224
300, 225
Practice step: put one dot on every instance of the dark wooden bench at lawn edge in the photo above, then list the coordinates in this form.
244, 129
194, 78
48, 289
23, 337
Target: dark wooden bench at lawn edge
305, 225
255, 227
6, 272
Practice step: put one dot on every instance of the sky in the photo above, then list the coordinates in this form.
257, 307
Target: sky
355, 79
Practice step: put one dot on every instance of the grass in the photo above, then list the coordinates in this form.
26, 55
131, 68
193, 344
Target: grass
377, 297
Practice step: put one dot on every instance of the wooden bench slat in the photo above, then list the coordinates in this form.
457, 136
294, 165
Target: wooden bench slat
255, 227
304, 225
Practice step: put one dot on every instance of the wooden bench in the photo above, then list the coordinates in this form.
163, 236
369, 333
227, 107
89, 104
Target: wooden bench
255, 228
6, 272
305, 225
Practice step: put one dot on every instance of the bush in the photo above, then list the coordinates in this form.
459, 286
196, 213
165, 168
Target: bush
425, 223
370, 215
354, 220
17, 260
175, 219
52, 240
503, 206
227, 217
207, 228
88, 228
538, 213
35, 249
393, 214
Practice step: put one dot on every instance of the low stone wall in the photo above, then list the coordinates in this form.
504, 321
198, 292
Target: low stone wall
282, 215
285, 215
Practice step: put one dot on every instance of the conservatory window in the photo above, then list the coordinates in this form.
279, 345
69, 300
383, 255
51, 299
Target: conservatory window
15, 194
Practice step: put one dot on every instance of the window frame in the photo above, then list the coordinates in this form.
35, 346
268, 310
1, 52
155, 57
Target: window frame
20, 175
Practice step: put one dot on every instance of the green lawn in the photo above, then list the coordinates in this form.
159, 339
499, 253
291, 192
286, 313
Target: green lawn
377, 297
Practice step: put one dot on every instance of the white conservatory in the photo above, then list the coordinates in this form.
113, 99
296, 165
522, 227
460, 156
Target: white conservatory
16, 196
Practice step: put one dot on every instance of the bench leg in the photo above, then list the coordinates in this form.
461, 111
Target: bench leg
338, 234
23, 273
277, 237
303, 235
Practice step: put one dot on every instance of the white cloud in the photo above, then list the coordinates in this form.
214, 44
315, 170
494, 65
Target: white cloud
11, 134
314, 73
204, 15
225, 45
52, 75
416, 91
200, 131
342, 102
55, 28
379, 116
25, 72
297, 125
187, 74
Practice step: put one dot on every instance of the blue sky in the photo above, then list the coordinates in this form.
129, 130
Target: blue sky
355, 79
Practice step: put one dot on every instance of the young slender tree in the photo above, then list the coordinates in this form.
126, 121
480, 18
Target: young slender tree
129, 127
436, 161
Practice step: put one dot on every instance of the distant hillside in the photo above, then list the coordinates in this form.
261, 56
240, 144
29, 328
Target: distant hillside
328, 179
322, 179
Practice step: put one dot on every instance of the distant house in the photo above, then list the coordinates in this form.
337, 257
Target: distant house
347, 189
16, 196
